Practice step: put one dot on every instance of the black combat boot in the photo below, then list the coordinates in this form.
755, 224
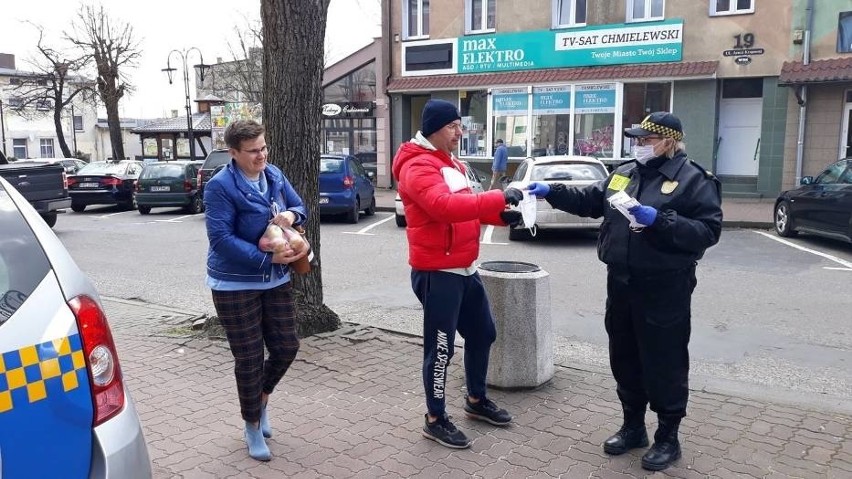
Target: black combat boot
666, 448
631, 435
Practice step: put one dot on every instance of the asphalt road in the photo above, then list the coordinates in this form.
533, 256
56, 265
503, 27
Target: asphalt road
770, 318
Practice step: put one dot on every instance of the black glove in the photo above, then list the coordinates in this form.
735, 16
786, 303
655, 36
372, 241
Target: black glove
513, 196
512, 218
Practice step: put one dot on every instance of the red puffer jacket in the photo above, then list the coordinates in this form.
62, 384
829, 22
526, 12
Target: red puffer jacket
442, 212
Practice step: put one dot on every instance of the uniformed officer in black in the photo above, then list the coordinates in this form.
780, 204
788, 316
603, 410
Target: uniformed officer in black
650, 276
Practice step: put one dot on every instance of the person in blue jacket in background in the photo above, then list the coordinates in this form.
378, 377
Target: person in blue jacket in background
650, 276
499, 165
251, 288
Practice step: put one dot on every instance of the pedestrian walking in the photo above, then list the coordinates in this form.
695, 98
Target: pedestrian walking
499, 165
444, 218
251, 288
650, 276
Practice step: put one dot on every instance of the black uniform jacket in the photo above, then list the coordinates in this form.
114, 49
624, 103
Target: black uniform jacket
688, 200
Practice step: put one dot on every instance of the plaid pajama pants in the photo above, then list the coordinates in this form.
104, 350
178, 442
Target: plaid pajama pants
250, 319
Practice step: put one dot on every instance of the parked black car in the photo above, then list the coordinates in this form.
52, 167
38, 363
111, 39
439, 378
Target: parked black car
821, 206
104, 183
173, 183
212, 164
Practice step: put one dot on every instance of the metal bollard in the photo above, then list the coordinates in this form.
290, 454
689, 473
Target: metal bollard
519, 293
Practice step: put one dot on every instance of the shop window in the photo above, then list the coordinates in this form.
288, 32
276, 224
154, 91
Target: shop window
644, 10
510, 109
731, 7
416, 19
19, 148
594, 117
640, 100
569, 13
46, 147
844, 32
474, 112
479, 16
551, 120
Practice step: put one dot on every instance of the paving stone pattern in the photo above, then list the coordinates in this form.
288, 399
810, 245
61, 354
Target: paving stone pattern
351, 406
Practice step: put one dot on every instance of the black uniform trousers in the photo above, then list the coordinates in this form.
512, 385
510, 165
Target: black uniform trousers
648, 324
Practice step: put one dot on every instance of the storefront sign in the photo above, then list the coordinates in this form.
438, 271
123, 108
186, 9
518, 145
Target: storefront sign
597, 45
552, 100
510, 101
353, 109
594, 99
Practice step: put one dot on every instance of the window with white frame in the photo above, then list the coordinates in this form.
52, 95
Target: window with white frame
731, 7
479, 16
415, 22
46, 147
644, 10
19, 148
569, 13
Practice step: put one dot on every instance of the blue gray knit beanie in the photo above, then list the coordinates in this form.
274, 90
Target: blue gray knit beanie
436, 115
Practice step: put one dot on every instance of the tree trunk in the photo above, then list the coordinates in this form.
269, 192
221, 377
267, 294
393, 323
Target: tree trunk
60, 133
114, 123
293, 44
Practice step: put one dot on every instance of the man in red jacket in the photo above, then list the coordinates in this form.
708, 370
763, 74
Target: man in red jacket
444, 218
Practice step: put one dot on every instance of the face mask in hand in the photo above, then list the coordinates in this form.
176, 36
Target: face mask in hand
643, 153
528, 209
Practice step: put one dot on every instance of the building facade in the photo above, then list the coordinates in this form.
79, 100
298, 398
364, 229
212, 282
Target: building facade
567, 76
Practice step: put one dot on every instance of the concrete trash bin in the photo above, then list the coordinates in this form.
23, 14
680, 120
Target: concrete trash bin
519, 293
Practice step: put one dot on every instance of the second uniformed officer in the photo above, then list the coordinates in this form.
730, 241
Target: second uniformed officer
650, 276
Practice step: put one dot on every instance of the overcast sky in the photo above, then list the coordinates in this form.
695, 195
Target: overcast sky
163, 25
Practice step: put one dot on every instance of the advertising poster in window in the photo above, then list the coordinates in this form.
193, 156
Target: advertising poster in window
218, 121
552, 100
594, 99
510, 101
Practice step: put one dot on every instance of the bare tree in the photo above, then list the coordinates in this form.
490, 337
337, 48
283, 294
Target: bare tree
111, 45
54, 83
293, 43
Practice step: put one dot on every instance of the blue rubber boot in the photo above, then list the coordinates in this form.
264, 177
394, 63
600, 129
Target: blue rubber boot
264, 422
256, 443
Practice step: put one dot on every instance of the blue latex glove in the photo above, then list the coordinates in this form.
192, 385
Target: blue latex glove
538, 189
644, 214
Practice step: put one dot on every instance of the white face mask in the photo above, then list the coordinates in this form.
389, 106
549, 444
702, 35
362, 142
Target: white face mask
643, 153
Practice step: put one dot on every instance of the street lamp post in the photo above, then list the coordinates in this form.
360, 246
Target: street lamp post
202, 68
3, 127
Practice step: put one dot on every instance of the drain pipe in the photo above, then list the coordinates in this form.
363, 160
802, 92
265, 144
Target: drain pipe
802, 94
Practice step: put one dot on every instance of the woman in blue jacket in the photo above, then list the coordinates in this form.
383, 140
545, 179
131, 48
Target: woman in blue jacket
251, 288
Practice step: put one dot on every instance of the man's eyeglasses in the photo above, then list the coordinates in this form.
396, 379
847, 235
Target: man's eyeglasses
455, 126
643, 140
256, 151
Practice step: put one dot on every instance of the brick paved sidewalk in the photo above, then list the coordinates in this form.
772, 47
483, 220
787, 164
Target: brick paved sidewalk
352, 406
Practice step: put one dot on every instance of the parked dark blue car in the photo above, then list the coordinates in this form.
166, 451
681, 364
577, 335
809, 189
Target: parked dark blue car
345, 187
104, 183
821, 206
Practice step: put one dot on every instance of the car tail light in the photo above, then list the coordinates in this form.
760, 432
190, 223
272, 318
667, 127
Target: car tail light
187, 186
348, 182
71, 181
199, 178
64, 180
136, 186
101, 358
111, 181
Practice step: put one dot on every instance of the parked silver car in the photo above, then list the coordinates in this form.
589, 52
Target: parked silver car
475, 178
569, 170
64, 407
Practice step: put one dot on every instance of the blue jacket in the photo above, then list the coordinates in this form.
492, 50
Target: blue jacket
501, 159
237, 216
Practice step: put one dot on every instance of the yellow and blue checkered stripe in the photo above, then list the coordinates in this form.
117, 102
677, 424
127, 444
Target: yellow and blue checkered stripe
37, 372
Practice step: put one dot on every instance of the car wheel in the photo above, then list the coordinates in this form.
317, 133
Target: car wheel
144, 210
519, 234
49, 218
784, 220
77, 208
371, 210
352, 216
400, 221
196, 205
